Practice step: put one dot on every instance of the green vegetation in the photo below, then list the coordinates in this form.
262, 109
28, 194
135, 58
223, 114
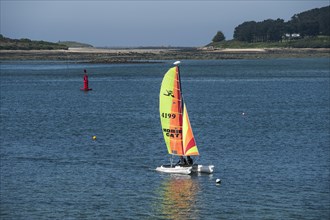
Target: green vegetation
310, 42
74, 44
309, 29
219, 37
27, 44
265, 31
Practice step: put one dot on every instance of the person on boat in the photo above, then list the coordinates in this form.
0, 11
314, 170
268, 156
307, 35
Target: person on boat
190, 160
182, 161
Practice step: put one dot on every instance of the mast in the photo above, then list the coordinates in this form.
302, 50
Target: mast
177, 63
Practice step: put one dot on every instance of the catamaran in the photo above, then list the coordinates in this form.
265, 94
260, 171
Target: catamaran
176, 127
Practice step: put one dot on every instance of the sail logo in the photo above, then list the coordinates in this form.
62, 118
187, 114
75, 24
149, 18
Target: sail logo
173, 133
169, 93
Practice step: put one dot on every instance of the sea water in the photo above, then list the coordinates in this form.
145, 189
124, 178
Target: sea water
264, 125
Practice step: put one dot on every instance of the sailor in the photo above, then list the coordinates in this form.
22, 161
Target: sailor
190, 160
183, 161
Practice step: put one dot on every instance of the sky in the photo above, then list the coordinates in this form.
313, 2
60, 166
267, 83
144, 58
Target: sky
134, 23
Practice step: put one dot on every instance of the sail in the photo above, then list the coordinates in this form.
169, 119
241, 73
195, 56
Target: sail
170, 109
189, 143
175, 123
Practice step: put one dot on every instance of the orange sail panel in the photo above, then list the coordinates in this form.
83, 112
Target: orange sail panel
175, 122
189, 143
170, 109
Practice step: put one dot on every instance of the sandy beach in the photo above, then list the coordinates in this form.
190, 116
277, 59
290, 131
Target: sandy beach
142, 55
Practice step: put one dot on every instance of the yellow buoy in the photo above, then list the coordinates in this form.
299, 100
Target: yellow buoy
94, 137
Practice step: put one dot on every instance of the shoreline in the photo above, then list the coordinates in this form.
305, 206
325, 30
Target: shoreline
143, 55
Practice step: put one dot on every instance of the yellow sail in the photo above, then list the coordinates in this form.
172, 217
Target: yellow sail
170, 109
175, 123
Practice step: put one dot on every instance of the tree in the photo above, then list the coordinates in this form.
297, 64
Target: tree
219, 37
246, 31
309, 23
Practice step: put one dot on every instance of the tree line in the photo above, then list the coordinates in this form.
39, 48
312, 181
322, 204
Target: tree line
306, 24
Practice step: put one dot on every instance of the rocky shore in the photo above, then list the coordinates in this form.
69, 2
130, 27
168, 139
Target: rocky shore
99, 55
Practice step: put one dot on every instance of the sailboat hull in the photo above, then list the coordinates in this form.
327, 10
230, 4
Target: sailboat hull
196, 168
174, 169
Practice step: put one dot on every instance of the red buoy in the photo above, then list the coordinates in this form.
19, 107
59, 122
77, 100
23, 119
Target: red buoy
86, 88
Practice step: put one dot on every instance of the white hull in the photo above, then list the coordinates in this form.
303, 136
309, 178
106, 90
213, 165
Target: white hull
196, 168
175, 169
186, 170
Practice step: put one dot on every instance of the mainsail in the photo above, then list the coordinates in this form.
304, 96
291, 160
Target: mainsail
176, 127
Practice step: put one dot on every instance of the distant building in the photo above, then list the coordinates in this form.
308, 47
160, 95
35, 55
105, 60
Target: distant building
295, 35
292, 36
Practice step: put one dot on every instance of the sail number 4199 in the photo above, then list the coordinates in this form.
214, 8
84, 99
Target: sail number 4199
168, 115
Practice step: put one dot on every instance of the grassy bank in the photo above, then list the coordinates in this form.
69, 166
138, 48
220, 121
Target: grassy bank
27, 44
